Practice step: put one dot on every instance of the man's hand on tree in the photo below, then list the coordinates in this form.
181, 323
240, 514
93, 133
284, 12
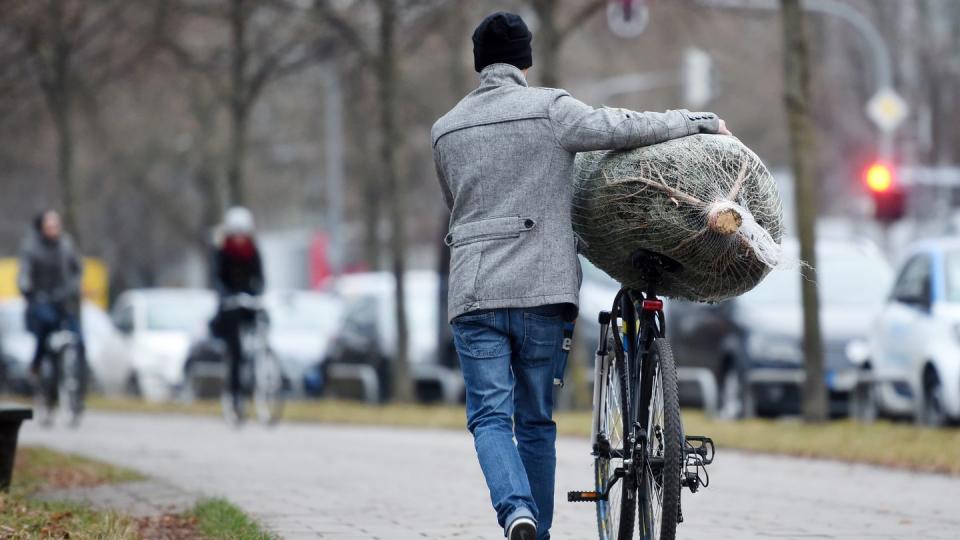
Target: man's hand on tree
723, 128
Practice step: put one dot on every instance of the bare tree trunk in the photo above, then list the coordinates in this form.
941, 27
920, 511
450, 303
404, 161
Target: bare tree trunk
212, 208
548, 42
58, 96
238, 105
457, 28
372, 184
65, 177
797, 99
387, 67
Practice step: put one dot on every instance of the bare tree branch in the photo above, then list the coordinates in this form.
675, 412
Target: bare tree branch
587, 11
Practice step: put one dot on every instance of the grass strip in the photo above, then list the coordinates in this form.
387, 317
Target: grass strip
36, 469
41, 468
219, 520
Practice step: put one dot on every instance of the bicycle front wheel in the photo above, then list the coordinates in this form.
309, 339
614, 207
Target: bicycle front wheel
660, 480
615, 514
268, 388
71, 385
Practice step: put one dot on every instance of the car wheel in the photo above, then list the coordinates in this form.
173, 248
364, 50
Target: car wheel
189, 393
933, 413
132, 386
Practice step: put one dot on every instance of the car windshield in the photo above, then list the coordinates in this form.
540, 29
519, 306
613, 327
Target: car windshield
953, 276
304, 313
847, 278
178, 313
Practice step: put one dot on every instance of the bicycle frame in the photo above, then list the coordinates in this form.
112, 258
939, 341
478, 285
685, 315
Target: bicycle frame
638, 327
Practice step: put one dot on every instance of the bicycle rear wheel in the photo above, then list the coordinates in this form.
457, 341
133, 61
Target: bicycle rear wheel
659, 501
615, 515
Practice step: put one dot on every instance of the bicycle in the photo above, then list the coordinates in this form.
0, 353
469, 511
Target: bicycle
642, 458
260, 372
61, 374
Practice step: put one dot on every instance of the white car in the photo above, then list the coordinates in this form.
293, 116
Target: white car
302, 323
366, 343
158, 326
109, 367
915, 343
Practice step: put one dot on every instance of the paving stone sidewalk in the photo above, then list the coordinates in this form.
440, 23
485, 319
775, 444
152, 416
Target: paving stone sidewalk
144, 498
312, 481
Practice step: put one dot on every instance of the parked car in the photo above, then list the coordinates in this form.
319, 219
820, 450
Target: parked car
365, 347
302, 324
158, 326
109, 367
915, 341
753, 344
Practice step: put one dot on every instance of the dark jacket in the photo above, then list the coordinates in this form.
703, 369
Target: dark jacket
51, 271
235, 272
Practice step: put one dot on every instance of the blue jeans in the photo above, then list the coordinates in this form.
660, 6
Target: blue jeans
508, 358
43, 319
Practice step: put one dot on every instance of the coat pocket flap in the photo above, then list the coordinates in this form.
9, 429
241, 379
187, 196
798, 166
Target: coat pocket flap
489, 229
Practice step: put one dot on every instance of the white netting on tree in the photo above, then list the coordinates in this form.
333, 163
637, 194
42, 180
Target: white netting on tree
706, 201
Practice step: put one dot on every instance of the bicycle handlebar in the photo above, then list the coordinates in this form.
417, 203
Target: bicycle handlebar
242, 301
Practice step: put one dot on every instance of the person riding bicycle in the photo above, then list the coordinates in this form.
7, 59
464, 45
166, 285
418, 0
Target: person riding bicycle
236, 270
505, 160
49, 277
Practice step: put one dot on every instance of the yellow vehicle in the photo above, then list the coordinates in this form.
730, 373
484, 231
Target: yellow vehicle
96, 280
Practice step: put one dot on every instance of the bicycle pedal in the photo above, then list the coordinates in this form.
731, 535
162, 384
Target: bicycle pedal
583, 496
701, 447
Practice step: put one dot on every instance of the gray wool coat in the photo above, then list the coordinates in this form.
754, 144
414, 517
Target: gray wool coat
504, 158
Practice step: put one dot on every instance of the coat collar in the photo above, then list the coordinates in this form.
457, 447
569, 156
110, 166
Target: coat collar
501, 75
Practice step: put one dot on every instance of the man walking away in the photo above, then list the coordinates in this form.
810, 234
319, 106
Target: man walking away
505, 160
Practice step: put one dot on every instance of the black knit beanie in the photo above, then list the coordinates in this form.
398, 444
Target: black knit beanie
502, 38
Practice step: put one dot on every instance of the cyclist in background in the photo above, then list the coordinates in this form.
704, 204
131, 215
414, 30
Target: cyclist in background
50, 272
236, 269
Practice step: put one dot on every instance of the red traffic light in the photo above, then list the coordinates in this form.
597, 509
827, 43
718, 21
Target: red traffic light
879, 178
889, 198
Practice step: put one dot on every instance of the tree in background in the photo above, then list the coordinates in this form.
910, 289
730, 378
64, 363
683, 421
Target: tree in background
797, 100
552, 33
72, 49
395, 19
265, 42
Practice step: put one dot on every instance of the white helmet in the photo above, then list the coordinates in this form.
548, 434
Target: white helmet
238, 220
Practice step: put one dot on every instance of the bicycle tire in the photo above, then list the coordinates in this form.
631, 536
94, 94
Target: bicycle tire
616, 526
45, 390
268, 388
71, 390
665, 440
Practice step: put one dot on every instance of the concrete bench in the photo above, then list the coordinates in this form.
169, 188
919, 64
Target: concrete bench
11, 417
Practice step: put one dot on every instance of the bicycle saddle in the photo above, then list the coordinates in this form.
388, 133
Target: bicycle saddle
650, 261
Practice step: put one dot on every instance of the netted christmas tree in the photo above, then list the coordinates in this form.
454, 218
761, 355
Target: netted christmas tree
705, 201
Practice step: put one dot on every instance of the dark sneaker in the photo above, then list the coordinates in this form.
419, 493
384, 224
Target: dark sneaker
522, 528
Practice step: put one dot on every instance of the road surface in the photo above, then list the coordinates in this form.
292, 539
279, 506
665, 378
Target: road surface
318, 481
